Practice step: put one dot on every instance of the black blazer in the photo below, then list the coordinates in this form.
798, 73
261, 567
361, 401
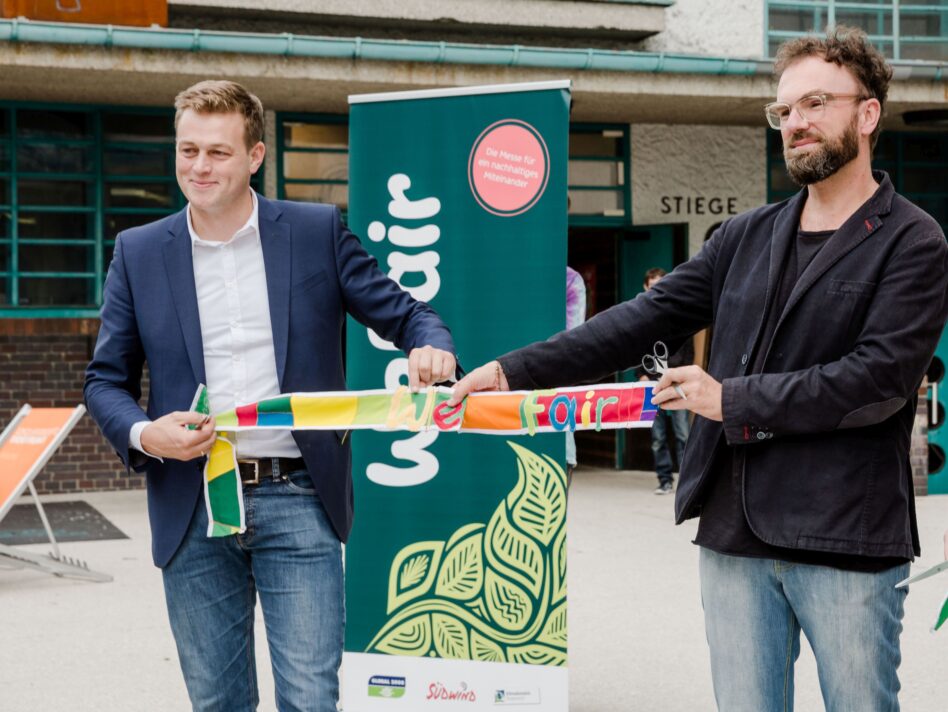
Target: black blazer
823, 431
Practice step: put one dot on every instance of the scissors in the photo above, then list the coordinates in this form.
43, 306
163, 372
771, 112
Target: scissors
656, 363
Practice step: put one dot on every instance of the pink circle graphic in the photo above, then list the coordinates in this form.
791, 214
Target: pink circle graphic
508, 168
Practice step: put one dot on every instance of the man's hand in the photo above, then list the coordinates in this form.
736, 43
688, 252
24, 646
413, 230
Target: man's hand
428, 365
489, 377
703, 393
168, 437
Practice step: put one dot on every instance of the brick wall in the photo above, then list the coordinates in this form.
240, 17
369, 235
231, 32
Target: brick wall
42, 362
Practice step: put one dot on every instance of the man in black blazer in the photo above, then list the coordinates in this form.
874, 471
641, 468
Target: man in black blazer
827, 309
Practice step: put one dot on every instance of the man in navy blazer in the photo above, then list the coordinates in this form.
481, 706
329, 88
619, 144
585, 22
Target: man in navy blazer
827, 308
249, 296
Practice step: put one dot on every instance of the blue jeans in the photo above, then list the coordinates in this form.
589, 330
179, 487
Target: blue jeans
679, 424
754, 610
291, 558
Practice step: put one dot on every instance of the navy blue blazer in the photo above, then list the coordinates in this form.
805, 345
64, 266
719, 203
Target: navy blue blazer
317, 271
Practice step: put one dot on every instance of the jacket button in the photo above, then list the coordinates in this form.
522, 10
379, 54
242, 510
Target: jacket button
744, 360
761, 435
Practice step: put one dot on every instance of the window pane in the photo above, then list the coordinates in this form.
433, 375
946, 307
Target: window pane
937, 207
594, 144
874, 22
107, 252
53, 124
55, 292
50, 158
114, 224
140, 195
594, 202
56, 226
300, 135
924, 24
319, 193
779, 180
594, 173
4, 257
930, 51
140, 128
923, 180
4, 225
139, 161
54, 192
332, 166
787, 20
4, 191
886, 148
4, 122
5, 154
55, 258
4, 291
928, 147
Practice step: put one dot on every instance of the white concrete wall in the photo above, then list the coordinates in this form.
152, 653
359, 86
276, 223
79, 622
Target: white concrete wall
721, 28
697, 175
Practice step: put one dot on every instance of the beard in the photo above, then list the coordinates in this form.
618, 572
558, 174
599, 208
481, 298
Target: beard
806, 168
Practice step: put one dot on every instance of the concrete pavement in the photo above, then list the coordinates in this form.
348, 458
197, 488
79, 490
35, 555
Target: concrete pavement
636, 631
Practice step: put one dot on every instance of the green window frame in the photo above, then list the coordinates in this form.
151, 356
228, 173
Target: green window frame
902, 29
125, 173
584, 162
915, 161
325, 165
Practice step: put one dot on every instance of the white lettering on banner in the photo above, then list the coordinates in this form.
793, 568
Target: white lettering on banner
412, 449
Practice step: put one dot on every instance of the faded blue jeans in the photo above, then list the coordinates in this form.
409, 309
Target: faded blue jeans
678, 419
754, 610
291, 558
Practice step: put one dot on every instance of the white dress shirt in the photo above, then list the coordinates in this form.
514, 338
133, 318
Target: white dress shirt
239, 361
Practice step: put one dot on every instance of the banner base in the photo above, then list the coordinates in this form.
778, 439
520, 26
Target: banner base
371, 682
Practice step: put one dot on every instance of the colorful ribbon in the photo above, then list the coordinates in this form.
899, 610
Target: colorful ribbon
610, 406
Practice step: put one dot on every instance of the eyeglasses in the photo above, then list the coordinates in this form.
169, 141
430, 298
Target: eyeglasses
809, 108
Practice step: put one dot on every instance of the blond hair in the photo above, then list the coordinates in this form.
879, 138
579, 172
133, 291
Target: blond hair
215, 96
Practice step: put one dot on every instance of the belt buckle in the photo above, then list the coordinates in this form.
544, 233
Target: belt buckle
256, 471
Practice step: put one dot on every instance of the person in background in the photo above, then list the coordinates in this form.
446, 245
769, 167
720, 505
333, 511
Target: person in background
575, 315
668, 421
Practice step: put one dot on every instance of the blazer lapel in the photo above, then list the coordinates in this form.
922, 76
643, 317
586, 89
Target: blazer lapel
275, 241
860, 225
179, 267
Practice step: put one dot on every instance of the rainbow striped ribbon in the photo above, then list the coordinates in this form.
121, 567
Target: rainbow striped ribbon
609, 406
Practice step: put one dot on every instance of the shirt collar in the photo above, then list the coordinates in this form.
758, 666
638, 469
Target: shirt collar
251, 227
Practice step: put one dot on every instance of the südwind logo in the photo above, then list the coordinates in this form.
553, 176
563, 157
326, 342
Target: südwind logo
437, 691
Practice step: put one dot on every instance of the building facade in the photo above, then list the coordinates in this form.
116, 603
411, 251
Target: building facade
668, 139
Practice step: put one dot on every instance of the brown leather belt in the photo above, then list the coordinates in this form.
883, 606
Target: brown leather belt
254, 471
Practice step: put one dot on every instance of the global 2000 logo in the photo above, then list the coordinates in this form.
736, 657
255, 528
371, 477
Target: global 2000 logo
386, 686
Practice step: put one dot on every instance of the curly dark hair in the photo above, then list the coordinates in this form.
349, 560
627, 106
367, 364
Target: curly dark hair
847, 47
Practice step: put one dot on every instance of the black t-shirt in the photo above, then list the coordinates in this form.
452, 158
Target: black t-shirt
723, 525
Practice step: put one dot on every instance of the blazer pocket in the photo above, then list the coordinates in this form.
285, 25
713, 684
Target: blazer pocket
313, 280
851, 288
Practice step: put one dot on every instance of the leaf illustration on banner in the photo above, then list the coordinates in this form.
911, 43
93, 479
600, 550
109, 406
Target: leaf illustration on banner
485, 649
492, 593
558, 566
537, 655
413, 637
538, 503
462, 571
513, 552
554, 630
508, 603
413, 571
450, 637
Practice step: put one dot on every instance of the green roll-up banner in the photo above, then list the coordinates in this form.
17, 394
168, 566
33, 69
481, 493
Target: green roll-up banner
456, 567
